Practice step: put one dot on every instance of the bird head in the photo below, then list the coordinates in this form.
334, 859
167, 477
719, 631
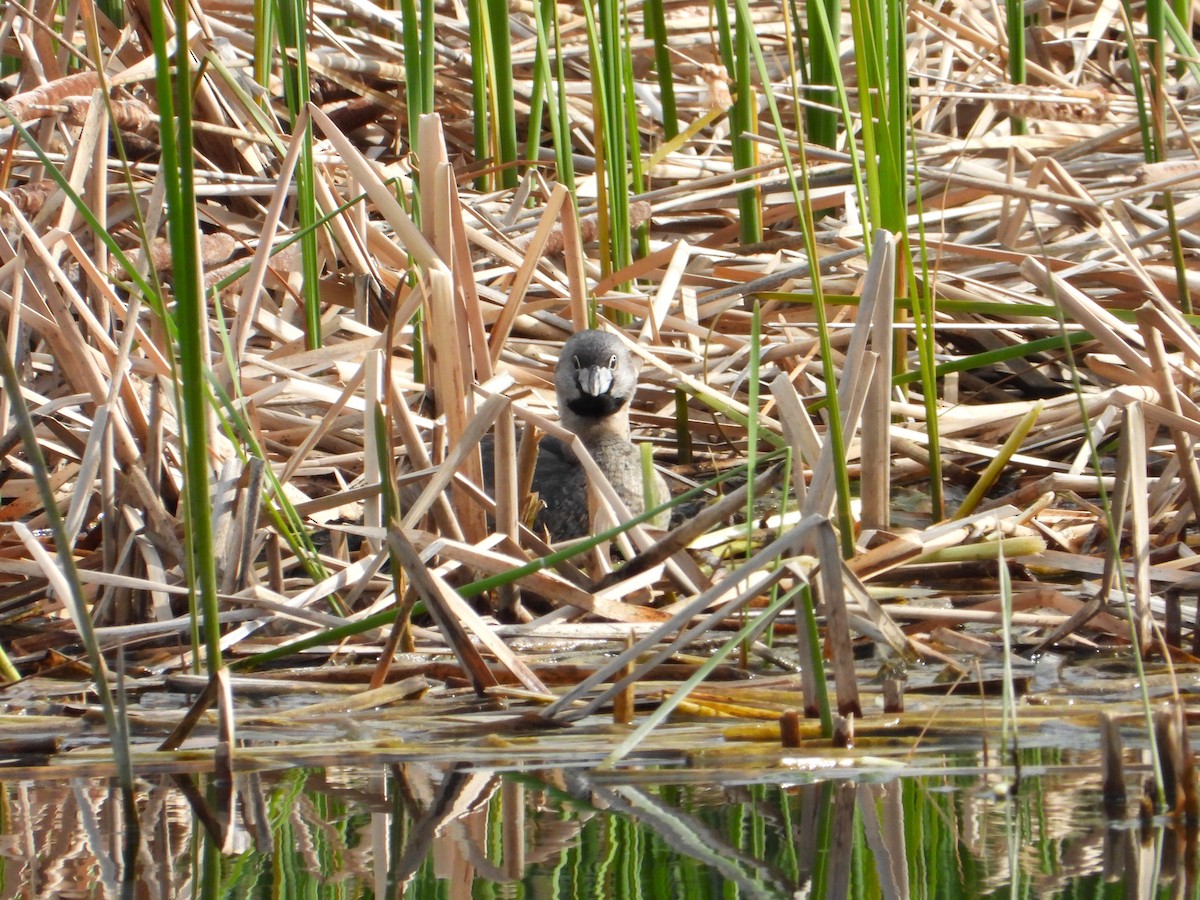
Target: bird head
595, 379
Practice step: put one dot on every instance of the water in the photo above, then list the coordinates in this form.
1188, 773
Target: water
438, 794
426, 830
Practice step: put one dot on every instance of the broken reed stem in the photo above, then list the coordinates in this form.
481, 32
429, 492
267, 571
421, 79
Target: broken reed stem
622, 712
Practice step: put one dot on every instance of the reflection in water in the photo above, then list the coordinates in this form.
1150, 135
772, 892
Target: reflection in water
418, 830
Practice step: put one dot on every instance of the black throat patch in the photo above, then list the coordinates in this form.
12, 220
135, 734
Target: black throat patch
592, 407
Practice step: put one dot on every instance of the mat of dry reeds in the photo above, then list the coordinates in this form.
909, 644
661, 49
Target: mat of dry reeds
1030, 240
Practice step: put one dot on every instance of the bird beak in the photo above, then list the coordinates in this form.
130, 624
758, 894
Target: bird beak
595, 381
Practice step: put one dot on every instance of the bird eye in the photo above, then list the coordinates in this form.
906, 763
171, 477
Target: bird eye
578, 364
612, 361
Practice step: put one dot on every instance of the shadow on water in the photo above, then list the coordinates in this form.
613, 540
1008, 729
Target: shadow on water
419, 830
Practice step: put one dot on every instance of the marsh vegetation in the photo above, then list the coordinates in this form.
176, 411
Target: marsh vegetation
910, 287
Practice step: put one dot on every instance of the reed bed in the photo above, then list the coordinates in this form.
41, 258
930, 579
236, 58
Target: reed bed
868, 409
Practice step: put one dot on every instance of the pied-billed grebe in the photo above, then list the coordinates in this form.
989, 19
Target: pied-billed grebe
595, 380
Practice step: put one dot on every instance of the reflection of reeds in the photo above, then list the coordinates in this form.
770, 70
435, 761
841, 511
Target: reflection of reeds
429, 825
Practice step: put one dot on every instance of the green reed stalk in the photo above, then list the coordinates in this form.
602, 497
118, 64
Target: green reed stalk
1014, 21
1158, 12
278, 507
656, 31
736, 42
635, 183
649, 482
923, 309
880, 35
211, 870
1140, 101
610, 61
560, 120
492, 90
1156, 45
70, 589
178, 153
823, 831
868, 54
824, 51
418, 62
683, 428
293, 18
506, 113
798, 177
1180, 35
601, 88
807, 619
823, 43
265, 22
401, 614
879, 32
1178, 259
996, 467
114, 10
482, 92
540, 97
752, 386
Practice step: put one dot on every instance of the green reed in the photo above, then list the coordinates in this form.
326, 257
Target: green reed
293, 21
174, 84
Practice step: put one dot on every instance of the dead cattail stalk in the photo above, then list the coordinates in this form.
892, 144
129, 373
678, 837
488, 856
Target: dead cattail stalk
843, 732
622, 711
1112, 767
893, 695
789, 729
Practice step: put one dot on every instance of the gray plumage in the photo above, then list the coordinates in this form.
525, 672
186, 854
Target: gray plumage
595, 380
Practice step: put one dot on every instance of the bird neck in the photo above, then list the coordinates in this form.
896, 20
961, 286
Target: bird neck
593, 430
